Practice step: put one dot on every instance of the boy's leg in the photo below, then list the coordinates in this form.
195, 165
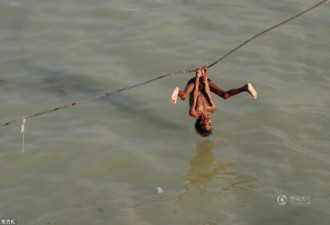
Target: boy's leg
193, 112
207, 89
182, 94
227, 94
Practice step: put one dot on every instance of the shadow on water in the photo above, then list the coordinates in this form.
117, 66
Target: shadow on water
204, 170
58, 81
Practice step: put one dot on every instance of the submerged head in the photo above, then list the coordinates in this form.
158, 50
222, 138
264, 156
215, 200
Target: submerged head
203, 126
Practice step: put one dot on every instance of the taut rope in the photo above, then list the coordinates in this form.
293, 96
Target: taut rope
189, 70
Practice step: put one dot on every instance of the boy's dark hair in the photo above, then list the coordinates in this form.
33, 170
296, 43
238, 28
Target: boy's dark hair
199, 129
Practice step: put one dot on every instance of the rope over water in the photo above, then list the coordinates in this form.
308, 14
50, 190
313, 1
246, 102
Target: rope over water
189, 70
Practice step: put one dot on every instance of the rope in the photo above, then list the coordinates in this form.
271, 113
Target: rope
189, 70
269, 29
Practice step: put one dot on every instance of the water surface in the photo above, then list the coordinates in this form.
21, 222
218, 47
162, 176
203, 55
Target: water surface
101, 162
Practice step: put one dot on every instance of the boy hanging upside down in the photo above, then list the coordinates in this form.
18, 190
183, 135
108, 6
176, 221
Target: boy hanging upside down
200, 100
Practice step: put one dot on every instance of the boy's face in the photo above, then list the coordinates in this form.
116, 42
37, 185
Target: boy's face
207, 124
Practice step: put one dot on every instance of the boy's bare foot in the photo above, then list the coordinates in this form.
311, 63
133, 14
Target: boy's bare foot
252, 91
174, 96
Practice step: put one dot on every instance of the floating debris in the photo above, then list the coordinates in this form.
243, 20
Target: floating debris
63, 92
160, 190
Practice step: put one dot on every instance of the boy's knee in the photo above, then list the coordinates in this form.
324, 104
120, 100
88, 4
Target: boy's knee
193, 113
225, 95
183, 97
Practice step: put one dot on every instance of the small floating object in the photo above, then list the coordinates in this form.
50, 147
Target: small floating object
160, 190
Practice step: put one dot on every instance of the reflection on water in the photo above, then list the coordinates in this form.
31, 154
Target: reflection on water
204, 170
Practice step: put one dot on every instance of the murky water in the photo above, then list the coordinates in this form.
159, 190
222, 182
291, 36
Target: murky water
102, 162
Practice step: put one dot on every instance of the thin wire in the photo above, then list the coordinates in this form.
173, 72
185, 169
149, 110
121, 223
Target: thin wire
269, 29
189, 70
